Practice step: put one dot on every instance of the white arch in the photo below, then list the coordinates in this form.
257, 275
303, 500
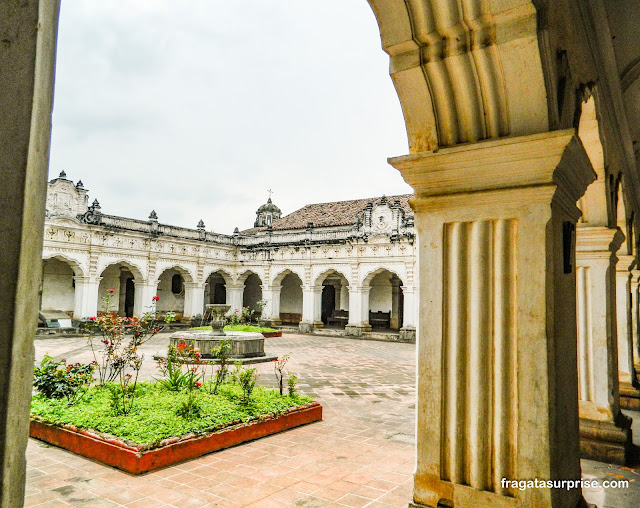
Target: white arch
277, 280
224, 272
185, 272
321, 273
397, 270
136, 270
75, 264
242, 278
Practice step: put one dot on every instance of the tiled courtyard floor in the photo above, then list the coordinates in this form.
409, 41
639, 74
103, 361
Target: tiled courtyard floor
361, 454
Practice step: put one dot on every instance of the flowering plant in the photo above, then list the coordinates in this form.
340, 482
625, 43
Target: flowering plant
57, 380
183, 354
278, 369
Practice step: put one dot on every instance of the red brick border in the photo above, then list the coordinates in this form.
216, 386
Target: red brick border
272, 334
113, 452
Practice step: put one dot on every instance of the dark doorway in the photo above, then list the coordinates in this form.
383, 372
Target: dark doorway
129, 294
219, 293
328, 302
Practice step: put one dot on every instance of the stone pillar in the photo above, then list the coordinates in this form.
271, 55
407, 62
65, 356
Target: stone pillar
394, 321
623, 310
145, 290
497, 376
635, 320
271, 311
193, 299
85, 302
408, 330
358, 311
605, 433
337, 287
27, 60
311, 309
235, 297
344, 298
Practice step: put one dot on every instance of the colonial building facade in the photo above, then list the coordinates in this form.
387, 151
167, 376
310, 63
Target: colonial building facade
348, 264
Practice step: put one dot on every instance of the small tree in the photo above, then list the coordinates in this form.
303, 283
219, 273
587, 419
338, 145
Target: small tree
278, 369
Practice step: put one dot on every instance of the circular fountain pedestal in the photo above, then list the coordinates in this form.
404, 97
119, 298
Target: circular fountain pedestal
243, 344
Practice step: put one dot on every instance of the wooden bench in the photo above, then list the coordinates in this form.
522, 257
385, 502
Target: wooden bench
338, 317
380, 319
290, 317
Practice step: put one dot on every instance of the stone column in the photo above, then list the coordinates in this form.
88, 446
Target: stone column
408, 330
337, 287
311, 309
605, 433
145, 290
635, 320
623, 310
235, 297
497, 376
27, 60
193, 299
344, 298
85, 302
358, 311
394, 319
271, 311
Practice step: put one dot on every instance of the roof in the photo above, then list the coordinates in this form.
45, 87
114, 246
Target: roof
336, 213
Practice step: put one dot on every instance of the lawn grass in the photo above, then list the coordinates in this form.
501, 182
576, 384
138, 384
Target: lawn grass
239, 328
154, 415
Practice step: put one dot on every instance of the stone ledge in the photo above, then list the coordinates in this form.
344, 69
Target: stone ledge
115, 453
607, 441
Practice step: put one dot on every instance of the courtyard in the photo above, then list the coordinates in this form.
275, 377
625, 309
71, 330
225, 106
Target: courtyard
361, 454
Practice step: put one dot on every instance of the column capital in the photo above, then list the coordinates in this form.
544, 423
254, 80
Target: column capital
625, 264
556, 160
598, 239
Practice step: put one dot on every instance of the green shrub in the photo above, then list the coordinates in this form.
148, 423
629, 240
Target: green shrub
57, 380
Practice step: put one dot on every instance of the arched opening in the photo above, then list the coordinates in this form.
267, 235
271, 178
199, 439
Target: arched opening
335, 299
291, 299
120, 278
57, 290
252, 293
386, 302
171, 291
215, 290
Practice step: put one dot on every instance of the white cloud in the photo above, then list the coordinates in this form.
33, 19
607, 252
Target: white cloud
195, 108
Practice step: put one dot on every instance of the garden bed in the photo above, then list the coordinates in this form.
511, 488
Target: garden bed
152, 436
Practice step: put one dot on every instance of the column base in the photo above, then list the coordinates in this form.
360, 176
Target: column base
606, 441
582, 503
407, 334
629, 397
309, 327
357, 330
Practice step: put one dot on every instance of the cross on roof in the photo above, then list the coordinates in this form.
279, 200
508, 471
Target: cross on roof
270, 192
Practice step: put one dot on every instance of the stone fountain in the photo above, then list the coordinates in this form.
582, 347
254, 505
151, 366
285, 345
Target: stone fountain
244, 345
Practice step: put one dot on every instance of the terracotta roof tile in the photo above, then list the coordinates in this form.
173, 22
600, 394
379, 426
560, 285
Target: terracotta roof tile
336, 213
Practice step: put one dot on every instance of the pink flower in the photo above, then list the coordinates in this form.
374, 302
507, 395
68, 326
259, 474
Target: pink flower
112, 291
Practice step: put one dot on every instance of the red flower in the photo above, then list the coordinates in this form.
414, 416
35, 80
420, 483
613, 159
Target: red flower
92, 318
112, 291
198, 384
155, 298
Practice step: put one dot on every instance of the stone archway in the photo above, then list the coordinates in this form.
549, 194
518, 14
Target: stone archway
58, 288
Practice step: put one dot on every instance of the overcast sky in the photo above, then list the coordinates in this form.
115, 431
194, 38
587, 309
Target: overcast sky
195, 108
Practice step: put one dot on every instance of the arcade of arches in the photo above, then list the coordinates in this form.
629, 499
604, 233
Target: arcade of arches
523, 121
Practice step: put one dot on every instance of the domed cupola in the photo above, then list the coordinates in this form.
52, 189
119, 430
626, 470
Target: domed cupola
267, 213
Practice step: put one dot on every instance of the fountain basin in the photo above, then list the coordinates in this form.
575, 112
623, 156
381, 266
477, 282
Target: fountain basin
243, 344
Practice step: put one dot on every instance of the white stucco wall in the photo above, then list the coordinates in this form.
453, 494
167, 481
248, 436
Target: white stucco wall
291, 294
111, 277
57, 286
380, 295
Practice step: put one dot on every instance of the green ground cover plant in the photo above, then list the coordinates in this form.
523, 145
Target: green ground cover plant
239, 328
154, 416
